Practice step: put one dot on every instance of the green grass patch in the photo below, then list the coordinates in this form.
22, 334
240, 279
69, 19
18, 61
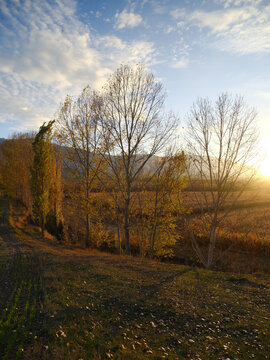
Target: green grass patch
19, 296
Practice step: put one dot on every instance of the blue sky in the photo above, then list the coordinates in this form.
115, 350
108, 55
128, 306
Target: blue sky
196, 48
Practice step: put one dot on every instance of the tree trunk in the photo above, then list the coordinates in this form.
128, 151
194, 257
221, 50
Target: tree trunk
153, 236
87, 209
42, 227
56, 219
118, 238
55, 213
211, 246
87, 231
126, 227
118, 224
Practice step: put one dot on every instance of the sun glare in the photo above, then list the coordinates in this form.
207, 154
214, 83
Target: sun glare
265, 167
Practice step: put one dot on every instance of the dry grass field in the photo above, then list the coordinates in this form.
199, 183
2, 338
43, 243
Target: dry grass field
243, 243
244, 236
62, 302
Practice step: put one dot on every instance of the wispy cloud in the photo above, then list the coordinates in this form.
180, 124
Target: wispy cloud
228, 3
47, 52
263, 94
180, 64
241, 29
126, 19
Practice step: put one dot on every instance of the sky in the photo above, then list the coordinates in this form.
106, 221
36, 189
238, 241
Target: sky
49, 49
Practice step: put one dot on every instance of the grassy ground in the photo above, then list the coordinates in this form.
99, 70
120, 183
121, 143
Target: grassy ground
68, 303
243, 235
19, 291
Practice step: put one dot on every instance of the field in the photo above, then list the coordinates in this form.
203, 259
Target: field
68, 303
243, 243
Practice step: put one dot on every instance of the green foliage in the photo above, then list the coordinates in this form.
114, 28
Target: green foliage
41, 173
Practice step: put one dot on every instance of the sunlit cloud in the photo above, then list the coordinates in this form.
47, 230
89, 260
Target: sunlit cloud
127, 19
182, 63
228, 3
240, 29
52, 48
47, 52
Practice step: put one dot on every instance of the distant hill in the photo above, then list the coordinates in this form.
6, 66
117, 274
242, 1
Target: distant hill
2, 140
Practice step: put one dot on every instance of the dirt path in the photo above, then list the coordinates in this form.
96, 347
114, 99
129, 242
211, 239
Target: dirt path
20, 292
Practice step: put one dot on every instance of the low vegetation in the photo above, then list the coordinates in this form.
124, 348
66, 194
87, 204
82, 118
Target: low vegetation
19, 294
82, 304
109, 172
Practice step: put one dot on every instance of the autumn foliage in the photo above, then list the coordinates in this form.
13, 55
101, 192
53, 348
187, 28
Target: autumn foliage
110, 173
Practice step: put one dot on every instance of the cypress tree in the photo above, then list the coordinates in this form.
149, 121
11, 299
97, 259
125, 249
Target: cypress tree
41, 174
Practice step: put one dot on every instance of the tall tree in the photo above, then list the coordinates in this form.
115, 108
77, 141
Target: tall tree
222, 153
54, 222
160, 205
166, 207
41, 174
134, 129
16, 156
77, 128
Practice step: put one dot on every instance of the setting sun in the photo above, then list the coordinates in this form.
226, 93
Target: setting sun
265, 167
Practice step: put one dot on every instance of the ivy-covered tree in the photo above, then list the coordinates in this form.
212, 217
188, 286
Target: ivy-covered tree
41, 174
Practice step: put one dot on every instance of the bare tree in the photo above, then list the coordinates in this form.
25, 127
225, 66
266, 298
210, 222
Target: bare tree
134, 129
77, 128
222, 155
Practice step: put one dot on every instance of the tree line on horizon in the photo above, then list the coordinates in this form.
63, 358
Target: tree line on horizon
109, 170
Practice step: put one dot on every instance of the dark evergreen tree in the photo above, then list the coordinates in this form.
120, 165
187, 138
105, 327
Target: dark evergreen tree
41, 174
